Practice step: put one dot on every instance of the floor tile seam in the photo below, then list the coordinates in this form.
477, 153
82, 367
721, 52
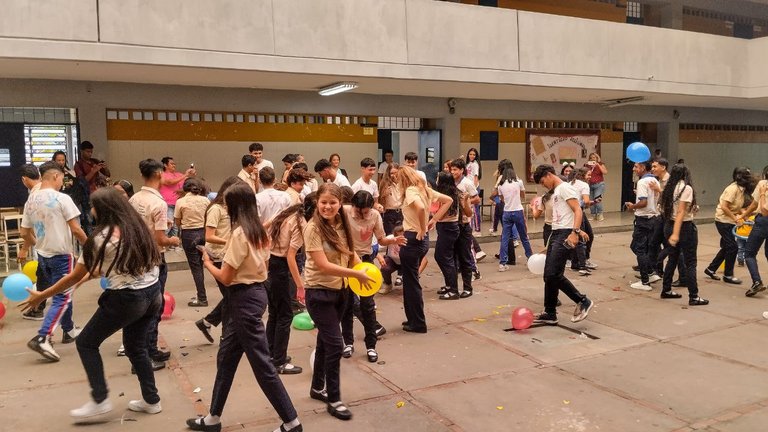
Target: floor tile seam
710, 330
183, 381
558, 364
720, 357
741, 410
628, 397
470, 332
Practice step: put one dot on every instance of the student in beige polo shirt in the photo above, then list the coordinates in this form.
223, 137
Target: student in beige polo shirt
189, 216
244, 273
330, 254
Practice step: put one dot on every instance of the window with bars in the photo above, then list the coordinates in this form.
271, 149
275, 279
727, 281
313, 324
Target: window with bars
634, 9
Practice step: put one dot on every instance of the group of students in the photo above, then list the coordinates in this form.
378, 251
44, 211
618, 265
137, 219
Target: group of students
269, 243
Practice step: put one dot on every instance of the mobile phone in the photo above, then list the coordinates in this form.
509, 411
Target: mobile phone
192, 165
204, 250
599, 197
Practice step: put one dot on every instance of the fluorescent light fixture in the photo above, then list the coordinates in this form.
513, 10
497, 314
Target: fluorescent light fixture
613, 103
337, 88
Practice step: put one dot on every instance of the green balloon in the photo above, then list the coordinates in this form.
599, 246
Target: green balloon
303, 321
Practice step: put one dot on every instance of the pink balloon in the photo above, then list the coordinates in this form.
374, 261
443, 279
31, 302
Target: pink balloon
522, 318
2, 310
170, 305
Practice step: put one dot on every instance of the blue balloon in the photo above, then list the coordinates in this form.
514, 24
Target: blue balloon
15, 287
104, 283
638, 152
212, 196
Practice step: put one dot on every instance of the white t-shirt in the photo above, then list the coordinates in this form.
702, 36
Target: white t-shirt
47, 212
466, 186
264, 163
644, 191
562, 215
582, 188
686, 197
473, 169
271, 202
117, 281
511, 193
383, 167
422, 175
371, 187
340, 179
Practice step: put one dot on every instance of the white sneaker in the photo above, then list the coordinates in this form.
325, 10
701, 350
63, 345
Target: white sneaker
385, 288
765, 315
516, 243
480, 256
639, 285
503, 267
42, 345
398, 281
491, 231
91, 409
121, 351
568, 263
654, 278
591, 265
141, 406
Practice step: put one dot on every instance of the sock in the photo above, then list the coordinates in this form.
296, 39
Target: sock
207, 324
211, 420
288, 426
337, 404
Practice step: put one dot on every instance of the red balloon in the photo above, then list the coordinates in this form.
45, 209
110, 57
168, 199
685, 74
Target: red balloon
2, 310
170, 305
522, 318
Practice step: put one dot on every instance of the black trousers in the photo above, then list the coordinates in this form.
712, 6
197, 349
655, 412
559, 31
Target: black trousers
280, 312
689, 242
728, 249
134, 312
190, 239
641, 245
326, 306
391, 218
554, 272
662, 254
364, 308
465, 256
410, 258
547, 231
217, 314
154, 328
445, 253
244, 334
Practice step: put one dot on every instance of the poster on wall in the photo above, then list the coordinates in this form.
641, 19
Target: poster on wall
556, 147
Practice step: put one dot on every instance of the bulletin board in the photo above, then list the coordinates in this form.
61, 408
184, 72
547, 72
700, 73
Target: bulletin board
554, 147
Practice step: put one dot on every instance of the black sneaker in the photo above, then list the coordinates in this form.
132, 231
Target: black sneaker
204, 329
288, 369
476, 276
42, 345
754, 289
711, 274
582, 310
546, 318
697, 301
678, 283
670, 295
34, 315
156, 366
198, 302
380, 331
160, 356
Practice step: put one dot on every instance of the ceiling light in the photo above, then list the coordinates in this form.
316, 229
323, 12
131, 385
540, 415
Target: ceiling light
337, 88
613, 103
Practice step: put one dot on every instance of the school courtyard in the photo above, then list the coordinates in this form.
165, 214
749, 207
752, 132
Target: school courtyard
638, 363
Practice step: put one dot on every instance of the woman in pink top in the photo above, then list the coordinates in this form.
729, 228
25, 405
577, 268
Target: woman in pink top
170, 188
596, 184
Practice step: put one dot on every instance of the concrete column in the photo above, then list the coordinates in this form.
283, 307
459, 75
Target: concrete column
672, 15
93, 128
668, 139
451, 127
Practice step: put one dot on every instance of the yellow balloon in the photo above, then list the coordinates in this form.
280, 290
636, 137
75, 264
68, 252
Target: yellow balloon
373, 287
30, 269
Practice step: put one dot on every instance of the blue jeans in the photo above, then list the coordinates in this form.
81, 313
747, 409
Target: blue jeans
173, 230
755, 240
510, 220
49, 271
742, 243
130, 310
595, 190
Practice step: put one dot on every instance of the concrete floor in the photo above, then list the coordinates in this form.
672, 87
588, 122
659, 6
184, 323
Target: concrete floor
638, 363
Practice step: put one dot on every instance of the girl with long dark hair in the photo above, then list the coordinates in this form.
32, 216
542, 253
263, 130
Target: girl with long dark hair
678, 201
244, 272
389, 198
330, 256
512, 189
496, 199
758, 234
728, 215
449, 245
217, 231
123, 252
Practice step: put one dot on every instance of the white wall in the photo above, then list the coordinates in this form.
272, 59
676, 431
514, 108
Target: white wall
218, 160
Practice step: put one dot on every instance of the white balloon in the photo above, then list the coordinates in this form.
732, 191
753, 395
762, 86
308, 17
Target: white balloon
536, 263
312, 360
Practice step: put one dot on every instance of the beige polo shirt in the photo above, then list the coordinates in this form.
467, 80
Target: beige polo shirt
218, 218
735, 196
313, 242
244, 176
191, 210
363, 229
291, 235
412, 217
250, 264
152, 208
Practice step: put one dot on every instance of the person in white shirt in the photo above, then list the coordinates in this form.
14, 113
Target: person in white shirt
257, 151
270, 201
128, 266
50, 220
412, 160
646, 214
465, 185
580, 259
247, 173
388, 160
330, 174
30, 177
475, 173
366, 183
566, 231
513, 190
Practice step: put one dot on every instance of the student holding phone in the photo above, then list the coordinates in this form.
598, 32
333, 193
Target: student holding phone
596, 185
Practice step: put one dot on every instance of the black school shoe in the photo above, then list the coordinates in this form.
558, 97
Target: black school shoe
197, 424
408, 328
697, 301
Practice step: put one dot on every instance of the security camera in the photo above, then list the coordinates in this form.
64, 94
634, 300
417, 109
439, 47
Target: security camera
452, 105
